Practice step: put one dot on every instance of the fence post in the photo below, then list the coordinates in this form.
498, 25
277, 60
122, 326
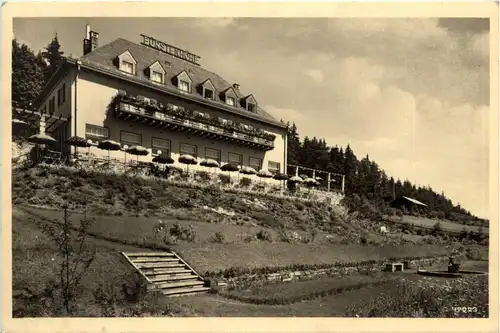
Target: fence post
343, 183
297, 171
328, 181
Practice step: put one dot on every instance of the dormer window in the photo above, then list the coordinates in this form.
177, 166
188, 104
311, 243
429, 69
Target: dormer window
157, 77
207, 93
250, 104
229, 96
208, 89
184, 82
184, 86
127, 67
230, 100
127, 63
156, 73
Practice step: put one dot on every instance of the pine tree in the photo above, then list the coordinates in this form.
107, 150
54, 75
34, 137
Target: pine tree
27, 74
54, 57
293, 145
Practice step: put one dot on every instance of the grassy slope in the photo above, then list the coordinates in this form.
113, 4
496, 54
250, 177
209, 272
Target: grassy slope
207, 256
446, 225
32, 253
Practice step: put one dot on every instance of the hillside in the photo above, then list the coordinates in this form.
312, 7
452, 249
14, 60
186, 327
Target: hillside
284, 218
366, 180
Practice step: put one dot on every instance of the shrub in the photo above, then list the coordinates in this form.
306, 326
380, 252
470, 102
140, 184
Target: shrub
264, 235
267, 220
203, 176
245, 182
219, 237
224, 179
183, 233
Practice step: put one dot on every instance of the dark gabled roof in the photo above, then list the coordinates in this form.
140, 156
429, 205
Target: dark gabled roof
106, 55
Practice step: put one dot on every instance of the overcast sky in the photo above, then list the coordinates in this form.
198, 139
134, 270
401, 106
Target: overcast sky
411, 93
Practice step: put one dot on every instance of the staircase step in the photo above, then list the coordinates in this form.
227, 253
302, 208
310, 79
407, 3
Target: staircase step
149, 254
185, 291
159, 265
154, 259
171, 277
172, 271
170, 285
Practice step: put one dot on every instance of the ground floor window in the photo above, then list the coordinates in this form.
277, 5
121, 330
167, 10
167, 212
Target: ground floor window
160, 144
185, 148
95, 132
273, 167
130, 139
255, 163
213, 154
235, 158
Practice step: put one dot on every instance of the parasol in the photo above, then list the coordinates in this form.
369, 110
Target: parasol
188, 160
109, 145
137, 151
246, 170
41, 139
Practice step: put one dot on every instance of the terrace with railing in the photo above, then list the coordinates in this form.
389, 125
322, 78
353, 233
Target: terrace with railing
177, 118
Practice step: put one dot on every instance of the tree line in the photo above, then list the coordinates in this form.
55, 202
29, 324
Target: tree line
367, 184
32, 71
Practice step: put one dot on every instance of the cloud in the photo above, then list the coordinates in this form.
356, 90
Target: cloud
315, 74
285, 114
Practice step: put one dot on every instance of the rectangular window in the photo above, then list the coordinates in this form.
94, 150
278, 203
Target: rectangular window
59, 97
214, 154
251, 107
235, 158
184, 86
255, 163
130, 139
273, 167
160, 144
95, 132
52, 105
230, 100
208, 93
127, 67
185, 148
156, 77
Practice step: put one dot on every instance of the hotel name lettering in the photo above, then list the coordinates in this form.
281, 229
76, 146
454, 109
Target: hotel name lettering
169, 49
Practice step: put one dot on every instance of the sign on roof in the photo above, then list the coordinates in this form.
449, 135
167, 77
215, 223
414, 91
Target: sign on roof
169, 49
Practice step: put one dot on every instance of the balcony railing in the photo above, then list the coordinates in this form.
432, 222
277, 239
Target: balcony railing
129, 111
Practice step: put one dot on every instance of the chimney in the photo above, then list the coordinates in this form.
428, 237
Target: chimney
90, 43
236, 86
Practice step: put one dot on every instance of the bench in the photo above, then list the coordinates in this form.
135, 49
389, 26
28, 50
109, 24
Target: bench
394, 267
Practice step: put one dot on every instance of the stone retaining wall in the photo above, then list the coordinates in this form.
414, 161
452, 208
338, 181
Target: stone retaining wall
288, 275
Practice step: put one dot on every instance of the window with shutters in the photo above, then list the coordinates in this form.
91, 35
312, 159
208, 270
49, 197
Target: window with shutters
273, 167
160, 144
235, 158
95, 132
213, 154
130, 139
188, 149
255, 163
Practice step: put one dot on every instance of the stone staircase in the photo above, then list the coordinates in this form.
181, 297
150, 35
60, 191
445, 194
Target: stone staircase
167, 272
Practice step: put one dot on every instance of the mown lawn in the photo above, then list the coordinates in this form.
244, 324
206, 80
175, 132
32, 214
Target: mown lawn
402, 295
446, 225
